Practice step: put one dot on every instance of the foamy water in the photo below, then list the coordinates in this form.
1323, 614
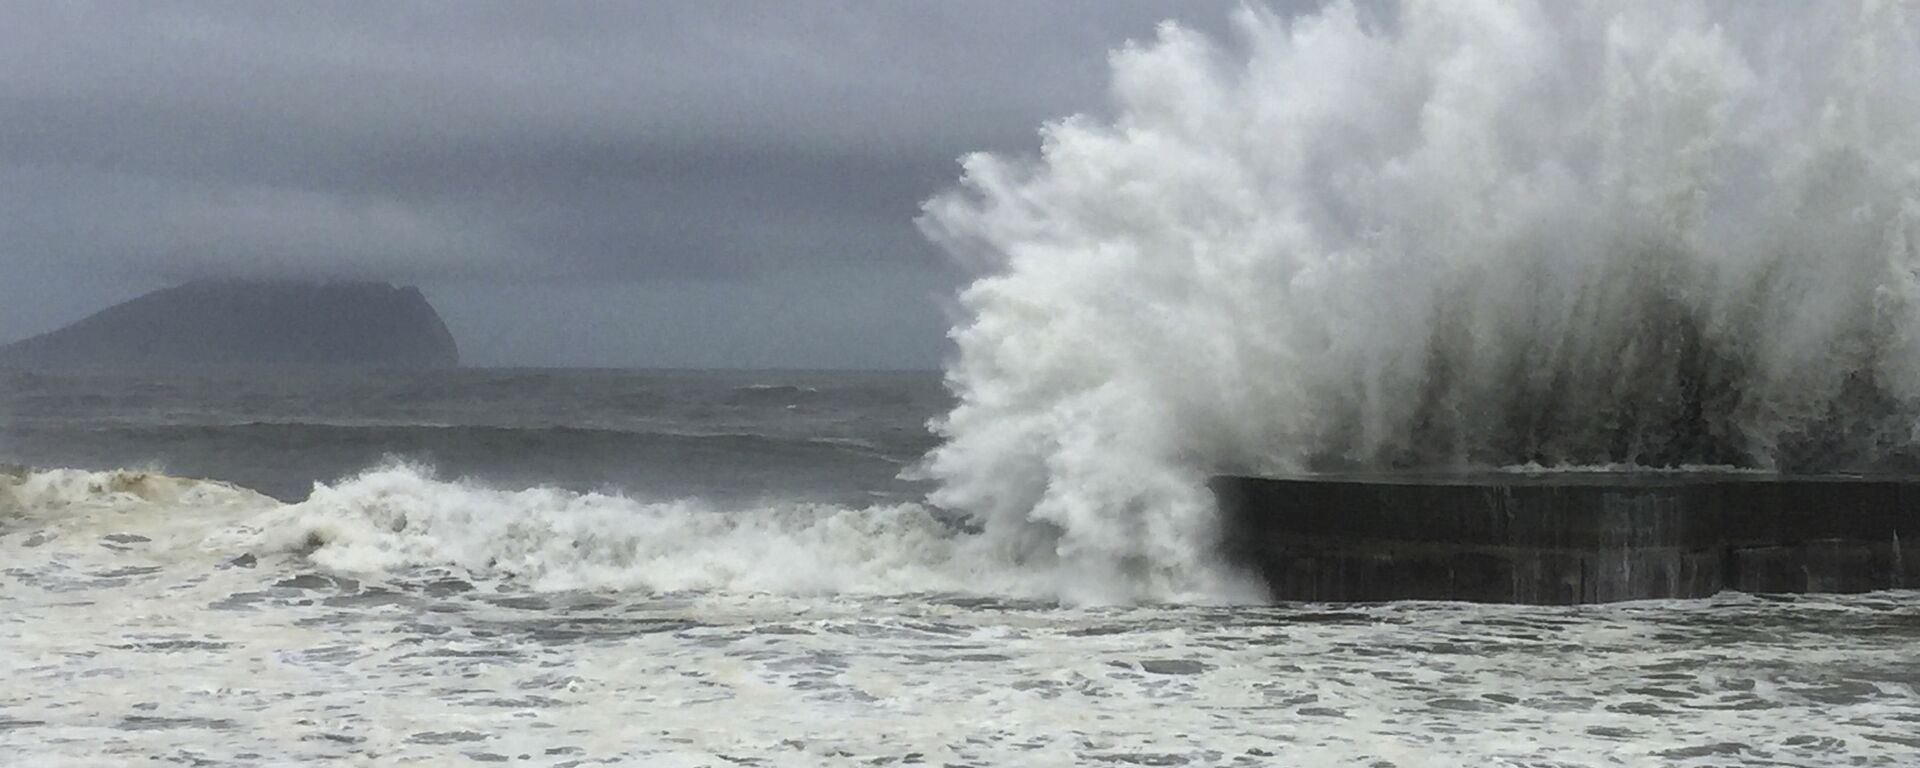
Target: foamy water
1455, 234
1544, 237
144, 617
548, 539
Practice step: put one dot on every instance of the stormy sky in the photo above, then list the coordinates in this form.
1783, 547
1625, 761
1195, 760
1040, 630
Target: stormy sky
651, 184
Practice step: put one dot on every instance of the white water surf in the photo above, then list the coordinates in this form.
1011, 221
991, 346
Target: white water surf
1462, 234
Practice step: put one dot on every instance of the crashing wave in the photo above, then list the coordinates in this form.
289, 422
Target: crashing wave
1455, 234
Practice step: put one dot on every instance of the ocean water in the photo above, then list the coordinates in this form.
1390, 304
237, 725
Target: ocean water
1371, 237
706, 569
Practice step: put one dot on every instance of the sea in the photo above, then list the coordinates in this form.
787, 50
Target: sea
687, 568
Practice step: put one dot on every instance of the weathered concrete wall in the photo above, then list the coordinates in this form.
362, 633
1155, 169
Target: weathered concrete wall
1570, 538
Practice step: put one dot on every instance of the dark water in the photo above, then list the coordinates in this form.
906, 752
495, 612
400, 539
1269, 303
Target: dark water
838, 437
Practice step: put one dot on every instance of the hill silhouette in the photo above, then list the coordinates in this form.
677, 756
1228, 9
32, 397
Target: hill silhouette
248, 323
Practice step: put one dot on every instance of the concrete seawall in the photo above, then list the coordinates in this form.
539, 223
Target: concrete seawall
1570, 538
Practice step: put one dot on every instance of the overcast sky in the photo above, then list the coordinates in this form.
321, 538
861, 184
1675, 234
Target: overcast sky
671, 184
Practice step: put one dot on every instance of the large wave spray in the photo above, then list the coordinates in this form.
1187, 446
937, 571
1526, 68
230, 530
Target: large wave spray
1459, 234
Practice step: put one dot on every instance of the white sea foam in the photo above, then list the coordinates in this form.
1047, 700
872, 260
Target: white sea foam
43, 492
269, 663
133, 642
68, 511
397, 517
1469, 233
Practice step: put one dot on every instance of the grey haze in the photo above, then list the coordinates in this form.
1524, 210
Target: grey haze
665, 184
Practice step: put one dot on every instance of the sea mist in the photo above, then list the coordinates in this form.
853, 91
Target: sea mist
1453, 235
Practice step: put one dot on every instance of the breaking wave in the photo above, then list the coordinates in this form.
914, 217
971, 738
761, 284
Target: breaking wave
398, 517
39, 493
1459, 234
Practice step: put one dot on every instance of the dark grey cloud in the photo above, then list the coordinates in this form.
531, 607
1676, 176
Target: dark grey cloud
752, 167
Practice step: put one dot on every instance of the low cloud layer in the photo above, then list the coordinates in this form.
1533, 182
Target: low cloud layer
721, 160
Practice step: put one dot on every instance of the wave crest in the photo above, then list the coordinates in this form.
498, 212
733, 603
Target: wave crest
28, 492
395, 518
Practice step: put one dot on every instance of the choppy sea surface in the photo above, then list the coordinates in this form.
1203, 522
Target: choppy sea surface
566, 568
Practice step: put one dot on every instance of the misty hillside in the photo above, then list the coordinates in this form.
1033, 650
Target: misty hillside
241, 323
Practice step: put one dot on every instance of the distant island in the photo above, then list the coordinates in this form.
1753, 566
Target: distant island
226, 323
